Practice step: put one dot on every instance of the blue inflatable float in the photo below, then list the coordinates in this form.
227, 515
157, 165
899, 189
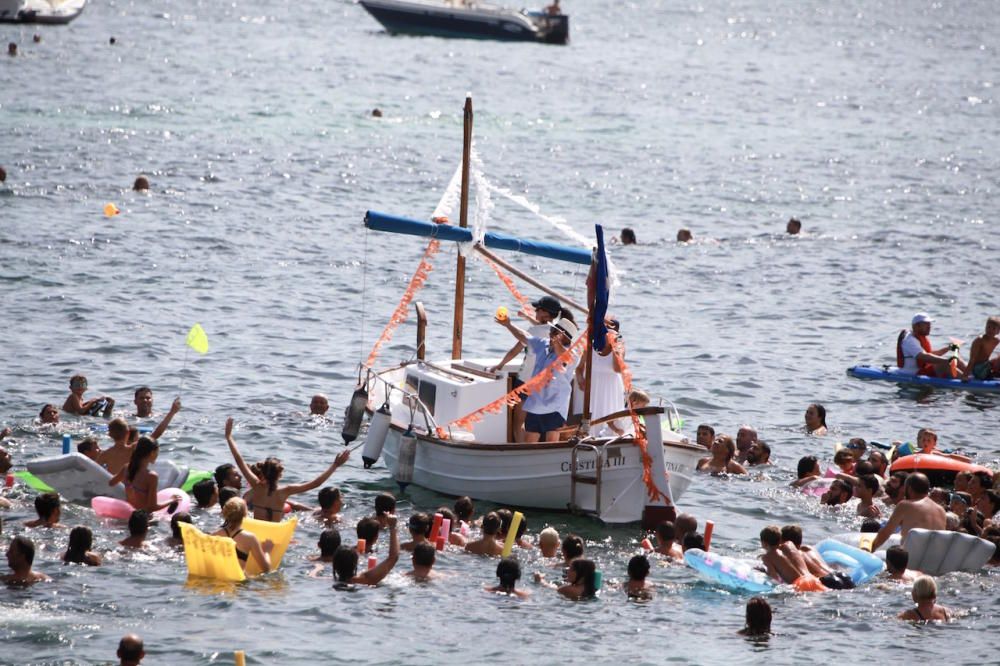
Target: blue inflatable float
729, 572
893, 375
860, 565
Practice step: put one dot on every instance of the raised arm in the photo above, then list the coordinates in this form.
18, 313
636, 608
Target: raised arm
382, 569
297, 488
162, 428
515, 330
247, 473
510, 356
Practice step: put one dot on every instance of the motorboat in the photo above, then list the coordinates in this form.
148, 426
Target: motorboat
447, 424
40, 11
469, 19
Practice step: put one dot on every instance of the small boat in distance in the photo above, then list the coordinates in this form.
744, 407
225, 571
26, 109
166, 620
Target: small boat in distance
40, 11
470, 19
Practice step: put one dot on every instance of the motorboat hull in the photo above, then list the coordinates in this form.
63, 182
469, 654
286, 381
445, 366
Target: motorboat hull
413, 18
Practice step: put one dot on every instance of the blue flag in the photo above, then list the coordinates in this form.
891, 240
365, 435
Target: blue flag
599, 294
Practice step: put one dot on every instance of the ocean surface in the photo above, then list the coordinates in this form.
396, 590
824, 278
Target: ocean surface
874, 123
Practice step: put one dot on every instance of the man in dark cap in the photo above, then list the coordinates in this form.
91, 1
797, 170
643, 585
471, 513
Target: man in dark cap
547, 310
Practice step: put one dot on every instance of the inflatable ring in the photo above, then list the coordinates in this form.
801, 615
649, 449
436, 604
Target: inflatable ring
109, 507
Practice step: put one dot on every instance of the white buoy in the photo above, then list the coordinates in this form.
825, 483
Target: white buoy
378, 428
407, 456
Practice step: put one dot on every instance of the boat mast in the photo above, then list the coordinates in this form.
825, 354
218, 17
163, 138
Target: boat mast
456, 334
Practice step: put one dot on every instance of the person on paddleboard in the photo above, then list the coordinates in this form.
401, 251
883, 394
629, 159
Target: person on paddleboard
916, 356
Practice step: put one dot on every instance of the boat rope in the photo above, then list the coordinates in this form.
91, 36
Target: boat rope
364, 299
640, 436
516, 396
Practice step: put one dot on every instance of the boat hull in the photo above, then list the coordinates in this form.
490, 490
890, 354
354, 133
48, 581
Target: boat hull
538, 476
40, 12
449, 21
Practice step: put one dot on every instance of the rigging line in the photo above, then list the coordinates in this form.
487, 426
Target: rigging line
364, 286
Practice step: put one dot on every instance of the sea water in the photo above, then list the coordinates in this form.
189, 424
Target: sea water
873, 123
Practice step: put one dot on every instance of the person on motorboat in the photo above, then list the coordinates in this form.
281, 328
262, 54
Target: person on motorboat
545, 408
980, 366
916, 356
547, 310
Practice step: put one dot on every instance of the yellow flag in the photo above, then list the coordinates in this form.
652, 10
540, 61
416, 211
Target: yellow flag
197, 339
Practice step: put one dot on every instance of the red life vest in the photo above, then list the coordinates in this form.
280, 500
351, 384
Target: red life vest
922, 368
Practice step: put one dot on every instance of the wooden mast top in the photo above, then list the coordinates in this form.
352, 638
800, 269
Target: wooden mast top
456, 334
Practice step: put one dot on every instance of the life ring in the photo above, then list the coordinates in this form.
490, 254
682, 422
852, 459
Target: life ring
729, 572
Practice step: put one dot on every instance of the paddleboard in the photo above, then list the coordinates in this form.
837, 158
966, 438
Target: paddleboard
894, 375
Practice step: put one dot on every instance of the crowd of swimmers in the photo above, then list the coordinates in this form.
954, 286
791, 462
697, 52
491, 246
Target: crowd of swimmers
970, 507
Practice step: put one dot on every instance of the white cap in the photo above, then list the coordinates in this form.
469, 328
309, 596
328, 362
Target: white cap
920, 318
567, 327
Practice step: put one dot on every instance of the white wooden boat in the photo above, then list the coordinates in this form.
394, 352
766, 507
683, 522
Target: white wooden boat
40, 11
412, 404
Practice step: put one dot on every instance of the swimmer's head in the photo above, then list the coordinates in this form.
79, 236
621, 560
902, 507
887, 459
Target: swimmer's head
449, 515
808, 466
770, 536
227, 493
138, 523
368, 529
509, 572
548, 541
815, 416
329, 499
226, 475
345, 564
464, 508
81, 539
584, 572
628, 236
234, 512
420, 524
684, 235
572, 547
506, 515
78, 383
385, 503
685, 523
792, 533
141, 184
491, 523
48, 506
319, 404
206, 493
693, 540
926, 439
146, 451
870, 526
423, 555
89, 447
5, 461
924, 589
130, 648
118, 429
143, 399
705, 435
917, 486
20, 553
793, 227
638, 567
896, 559
49, 414
175, 524
666, 532
758, 616
329, 542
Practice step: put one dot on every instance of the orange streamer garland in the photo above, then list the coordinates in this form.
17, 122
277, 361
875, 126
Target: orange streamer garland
640, 437
403, 309
509, 283
516, 396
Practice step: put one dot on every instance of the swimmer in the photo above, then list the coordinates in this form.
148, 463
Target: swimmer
581, 580
49, 414
345, 562
141, 483
419, 526
980, 366
637, 587
571, 549
81, 540
896, 560
722, 459
857, 446
465, 510
705, 435
879, 462
791, 540
176, 538
121, 450
759, 455
455, 537
839, 492
788, 566
206, 493
745, 438
20, 557
549, 542
927, 609
319, 405
684, 524
866, 489
5, 464
226, 493
692, 540
368, 529
808, 470
488, 543
226, 475
684, 236
917, 510
330, 504
141, 184
12, 49
506, 519
138, 528
329, 542
628, 236
90, 448
423, 559
266, 498
844, 459
247, 543
385, 505
816, 419
509, 572
927, 440
666, 544
48, 506
130, 650
75, 404
758, 619
793, 227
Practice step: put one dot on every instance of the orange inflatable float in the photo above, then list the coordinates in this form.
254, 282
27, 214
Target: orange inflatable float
940, 470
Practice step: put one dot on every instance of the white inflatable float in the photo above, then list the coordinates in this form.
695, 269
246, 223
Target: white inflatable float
937, 552
79, 479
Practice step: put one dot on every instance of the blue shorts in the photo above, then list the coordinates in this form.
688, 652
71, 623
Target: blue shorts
543, 423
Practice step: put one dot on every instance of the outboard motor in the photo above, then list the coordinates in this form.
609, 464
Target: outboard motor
355, 413
378, 429
407, 456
